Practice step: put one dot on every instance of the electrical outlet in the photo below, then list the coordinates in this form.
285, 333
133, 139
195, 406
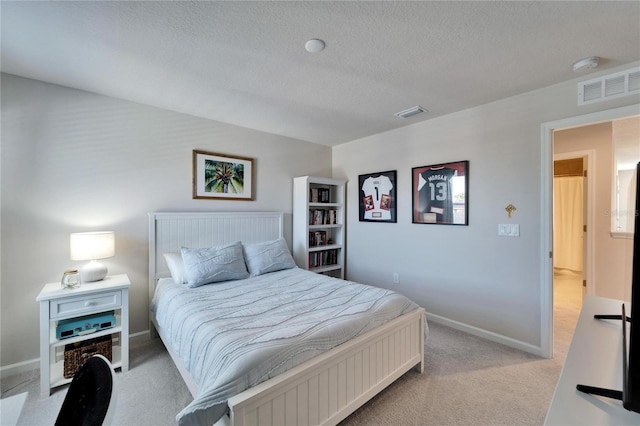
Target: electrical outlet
396, 278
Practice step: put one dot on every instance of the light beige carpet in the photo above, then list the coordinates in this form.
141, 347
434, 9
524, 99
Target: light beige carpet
467, 381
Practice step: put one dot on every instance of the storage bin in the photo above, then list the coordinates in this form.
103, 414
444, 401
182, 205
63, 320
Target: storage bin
76, 353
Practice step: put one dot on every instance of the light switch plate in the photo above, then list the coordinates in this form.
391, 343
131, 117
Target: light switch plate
509, 230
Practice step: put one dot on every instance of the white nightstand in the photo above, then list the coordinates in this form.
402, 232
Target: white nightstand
110, 294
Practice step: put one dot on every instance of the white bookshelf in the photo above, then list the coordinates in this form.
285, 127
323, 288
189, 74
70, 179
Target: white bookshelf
319, 224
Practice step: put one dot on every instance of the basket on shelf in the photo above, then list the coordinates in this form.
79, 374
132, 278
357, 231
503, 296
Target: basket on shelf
76, 353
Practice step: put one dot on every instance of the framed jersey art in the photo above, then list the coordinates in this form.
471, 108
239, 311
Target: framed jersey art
378, 197
440, 193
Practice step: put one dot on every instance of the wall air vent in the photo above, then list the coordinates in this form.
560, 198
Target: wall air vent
610, 86
410, 112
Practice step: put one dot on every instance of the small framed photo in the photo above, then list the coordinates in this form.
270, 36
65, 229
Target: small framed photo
440, 194
378, 197
223, 177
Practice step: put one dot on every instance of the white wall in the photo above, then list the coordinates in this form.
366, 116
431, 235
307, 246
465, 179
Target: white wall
466, 276
75, 161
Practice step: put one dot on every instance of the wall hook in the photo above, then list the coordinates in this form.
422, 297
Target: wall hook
510, 209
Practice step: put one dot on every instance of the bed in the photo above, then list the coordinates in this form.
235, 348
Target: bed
321, 385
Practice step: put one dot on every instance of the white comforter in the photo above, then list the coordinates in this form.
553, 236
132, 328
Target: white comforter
236, 334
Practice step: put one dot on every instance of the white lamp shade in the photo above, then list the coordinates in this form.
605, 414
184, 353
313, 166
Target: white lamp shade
92, 245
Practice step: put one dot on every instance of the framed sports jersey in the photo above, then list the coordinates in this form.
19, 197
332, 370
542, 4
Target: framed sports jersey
378, 197
440, 194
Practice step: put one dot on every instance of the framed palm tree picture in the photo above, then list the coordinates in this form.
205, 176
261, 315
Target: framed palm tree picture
221, 176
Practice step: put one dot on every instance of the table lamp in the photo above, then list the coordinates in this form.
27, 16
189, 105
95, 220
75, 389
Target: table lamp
92, 246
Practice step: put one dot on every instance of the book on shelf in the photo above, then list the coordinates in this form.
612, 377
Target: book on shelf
323, 194
322, 217
317, 238
323, 258
319, 195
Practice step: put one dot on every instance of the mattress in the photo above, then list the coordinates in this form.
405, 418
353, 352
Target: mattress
236, 334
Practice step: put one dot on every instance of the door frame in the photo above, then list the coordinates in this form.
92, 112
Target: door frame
546, 204
590, 161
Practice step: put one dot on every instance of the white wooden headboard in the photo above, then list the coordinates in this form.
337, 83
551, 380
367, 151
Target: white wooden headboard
170, 231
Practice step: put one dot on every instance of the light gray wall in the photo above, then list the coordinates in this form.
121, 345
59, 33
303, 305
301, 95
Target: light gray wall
74, 161
465, 275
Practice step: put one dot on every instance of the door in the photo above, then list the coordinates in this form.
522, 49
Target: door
569, 247
569, 217
585, 229
551, 150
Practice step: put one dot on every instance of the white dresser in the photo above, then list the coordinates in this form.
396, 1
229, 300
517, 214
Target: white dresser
594, 359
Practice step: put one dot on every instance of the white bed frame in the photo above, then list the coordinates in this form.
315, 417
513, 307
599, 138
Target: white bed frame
321, 391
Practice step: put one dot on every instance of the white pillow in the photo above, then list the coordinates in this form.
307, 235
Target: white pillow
176, 267
214, 264
269, 256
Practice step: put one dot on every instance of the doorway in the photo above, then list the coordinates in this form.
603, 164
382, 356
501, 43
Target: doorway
546, 236
570, 201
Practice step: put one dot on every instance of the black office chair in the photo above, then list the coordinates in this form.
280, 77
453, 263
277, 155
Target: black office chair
91, 397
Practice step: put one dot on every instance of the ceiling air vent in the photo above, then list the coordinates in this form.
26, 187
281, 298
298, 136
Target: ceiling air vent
610, 86
410, 112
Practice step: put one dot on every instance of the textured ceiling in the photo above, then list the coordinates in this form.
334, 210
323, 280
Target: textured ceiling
244, 63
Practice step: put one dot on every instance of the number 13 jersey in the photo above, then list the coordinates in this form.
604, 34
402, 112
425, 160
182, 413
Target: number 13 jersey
434, 191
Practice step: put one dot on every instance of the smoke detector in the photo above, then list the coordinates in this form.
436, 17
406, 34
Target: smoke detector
410, 112
314, 45
586, 64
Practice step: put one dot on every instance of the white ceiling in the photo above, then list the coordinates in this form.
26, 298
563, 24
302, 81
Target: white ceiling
244, 63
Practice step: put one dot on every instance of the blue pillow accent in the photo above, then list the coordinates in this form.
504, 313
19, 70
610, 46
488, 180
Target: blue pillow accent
214, 264
269, 256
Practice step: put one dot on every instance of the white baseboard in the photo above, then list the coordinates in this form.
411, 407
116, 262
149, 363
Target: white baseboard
139, 336
34, 364
19, 368
494, 337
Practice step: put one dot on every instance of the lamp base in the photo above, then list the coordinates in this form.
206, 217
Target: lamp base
93, 271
